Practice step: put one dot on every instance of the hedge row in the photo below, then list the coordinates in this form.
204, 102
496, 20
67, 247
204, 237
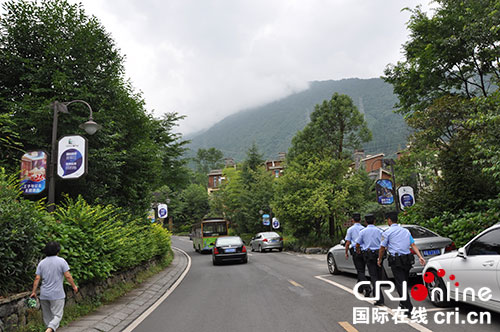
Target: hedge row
95, 240
461, 227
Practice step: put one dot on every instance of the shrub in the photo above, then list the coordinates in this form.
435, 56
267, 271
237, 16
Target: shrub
98, 240
21, 227
462, 226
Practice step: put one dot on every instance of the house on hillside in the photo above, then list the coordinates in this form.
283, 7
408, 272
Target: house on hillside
372, 164
214, 180
277, 166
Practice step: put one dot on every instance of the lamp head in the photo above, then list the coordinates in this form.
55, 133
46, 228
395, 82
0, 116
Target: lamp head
90, 127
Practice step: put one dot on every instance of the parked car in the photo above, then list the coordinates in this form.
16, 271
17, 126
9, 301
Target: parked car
474, 266
266, 241
429, 243
229, 248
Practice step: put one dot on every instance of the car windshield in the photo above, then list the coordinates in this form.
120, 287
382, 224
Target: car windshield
226, 241
270, 234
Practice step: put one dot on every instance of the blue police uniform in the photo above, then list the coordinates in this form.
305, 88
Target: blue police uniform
369, 242
353, 233
397, 240
357, 259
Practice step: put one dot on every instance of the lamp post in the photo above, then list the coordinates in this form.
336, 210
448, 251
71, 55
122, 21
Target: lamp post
90, 127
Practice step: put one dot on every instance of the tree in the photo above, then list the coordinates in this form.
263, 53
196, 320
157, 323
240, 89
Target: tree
335, 125
451, 61
208, 159
318, 194
51, 50
454, 52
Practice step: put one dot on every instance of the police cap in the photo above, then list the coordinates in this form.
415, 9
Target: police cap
393, 215
356, 217
369, 218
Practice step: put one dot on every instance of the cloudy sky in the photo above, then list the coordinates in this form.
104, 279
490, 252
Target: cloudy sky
207, 59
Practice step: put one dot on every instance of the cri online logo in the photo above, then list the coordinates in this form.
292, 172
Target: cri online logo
419, 292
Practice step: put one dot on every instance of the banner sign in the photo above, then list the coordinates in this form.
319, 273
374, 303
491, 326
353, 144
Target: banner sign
384, 191
72, 157
276, 223
265, 220
33, 172
151, 215
162, 210
406, 197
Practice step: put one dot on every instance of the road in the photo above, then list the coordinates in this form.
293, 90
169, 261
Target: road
279, 292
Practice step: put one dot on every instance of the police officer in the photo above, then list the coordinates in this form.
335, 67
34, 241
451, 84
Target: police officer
350, 247
397, 241
368, 243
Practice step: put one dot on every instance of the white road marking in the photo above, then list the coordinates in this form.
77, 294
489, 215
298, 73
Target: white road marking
416, 326
155, 305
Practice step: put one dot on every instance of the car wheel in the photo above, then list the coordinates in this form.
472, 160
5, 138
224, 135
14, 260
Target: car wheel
260, 248
244, 260
252, 248
332, 266
437, 283
280, 249
214, 261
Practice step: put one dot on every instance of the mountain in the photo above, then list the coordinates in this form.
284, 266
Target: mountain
273, 125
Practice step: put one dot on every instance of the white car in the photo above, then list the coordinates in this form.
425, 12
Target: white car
467, 273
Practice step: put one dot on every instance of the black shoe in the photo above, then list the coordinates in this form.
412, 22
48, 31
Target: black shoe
367, 292
379, 302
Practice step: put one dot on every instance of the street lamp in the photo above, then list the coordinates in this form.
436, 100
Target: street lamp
90, 127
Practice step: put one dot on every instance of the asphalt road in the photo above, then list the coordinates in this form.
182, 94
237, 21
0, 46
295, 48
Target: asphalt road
282, 292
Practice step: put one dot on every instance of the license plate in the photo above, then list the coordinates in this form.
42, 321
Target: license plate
432, 252
230, 250
274, 240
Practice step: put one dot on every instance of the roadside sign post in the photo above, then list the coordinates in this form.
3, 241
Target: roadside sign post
406, 196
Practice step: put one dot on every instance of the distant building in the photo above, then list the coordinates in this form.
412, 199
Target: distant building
276, 167
229, 162
214, 180
374, 166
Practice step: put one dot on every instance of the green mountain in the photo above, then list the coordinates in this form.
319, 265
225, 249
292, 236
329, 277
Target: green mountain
273, 125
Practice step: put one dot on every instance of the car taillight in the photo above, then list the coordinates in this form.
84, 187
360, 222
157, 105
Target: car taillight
244, 249
281, 239
216, 251
450, 247
412, 251
265, 240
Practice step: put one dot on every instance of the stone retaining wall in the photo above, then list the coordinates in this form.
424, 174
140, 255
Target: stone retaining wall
14, 313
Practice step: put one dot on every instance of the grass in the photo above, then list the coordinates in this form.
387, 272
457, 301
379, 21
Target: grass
87, 306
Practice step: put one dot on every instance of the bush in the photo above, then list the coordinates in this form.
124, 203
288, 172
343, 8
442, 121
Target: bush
98, 240
95, 240
21, 224
461, 227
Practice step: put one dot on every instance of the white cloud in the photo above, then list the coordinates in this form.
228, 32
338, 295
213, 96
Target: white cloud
210, 58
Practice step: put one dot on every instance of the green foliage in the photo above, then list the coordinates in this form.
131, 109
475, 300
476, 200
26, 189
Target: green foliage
95, 240
447, 87
98, 240
52, 50
10, 147
208, 159
244, 193
321, 192
462, 226
21, 228
336, 125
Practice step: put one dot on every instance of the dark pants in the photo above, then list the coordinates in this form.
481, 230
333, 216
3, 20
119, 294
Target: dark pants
359, 264
401, 272
374, 270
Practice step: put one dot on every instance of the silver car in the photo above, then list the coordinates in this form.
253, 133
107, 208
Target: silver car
464, 273
266, 241
429, 243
